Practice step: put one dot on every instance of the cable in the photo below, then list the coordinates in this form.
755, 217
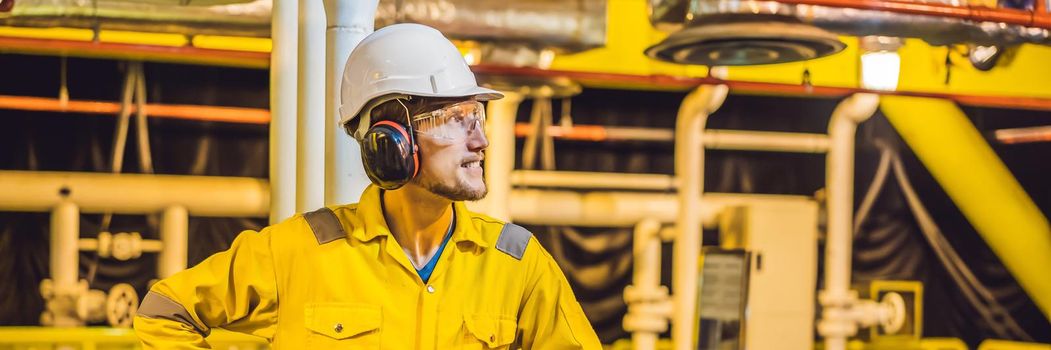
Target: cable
961, 274
142, 127
976, 293
536, 125
142, 130
119, 142
547, 159
873, 192
120, 136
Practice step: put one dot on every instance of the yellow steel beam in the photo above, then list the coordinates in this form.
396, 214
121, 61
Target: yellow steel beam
1022, 74
996, 344
979, 183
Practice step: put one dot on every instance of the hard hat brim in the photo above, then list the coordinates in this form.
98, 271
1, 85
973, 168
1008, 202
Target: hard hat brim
479, 93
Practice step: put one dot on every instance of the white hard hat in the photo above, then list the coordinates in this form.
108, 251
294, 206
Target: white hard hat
405, 59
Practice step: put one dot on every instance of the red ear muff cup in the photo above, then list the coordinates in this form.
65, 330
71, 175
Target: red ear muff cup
389, 155
412, 145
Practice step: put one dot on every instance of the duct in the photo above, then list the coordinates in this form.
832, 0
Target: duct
570, 26
580, 24
244, 19
673, 15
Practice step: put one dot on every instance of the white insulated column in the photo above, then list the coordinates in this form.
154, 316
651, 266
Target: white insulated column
500, 156
689, 171
349, 21
310, 136
648, 302
837, 299
65, 264
283, 96
175, 239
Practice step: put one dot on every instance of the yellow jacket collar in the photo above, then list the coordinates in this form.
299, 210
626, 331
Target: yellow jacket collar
370, 211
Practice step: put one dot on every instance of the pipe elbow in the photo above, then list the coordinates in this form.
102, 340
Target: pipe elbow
858, 107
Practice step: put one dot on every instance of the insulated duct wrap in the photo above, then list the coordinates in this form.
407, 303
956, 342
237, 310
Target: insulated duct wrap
674, 15
243, 19
579, 24
569, 25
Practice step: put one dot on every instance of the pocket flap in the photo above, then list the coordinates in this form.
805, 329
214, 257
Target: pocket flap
492, 330
342, 320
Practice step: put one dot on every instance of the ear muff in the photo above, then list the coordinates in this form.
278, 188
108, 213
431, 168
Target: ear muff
389, 154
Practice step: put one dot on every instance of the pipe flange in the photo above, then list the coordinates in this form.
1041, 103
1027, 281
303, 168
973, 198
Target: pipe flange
122, 304
105, 243
894, 303
47, 289
644, 323
836, 327
91, 306
838, 299
636, 294
126, 246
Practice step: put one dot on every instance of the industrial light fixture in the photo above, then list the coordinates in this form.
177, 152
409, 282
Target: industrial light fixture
472, 56
880, 62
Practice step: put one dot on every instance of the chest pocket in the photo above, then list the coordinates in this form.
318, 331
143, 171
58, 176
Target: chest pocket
343, 326
488, 332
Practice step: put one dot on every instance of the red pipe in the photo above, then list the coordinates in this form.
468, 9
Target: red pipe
974, 13
176, 54
188, 54
262, 116
1023, 135
594, 133
761, 88
187, 112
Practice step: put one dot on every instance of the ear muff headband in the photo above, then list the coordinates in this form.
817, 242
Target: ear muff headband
412, 143
365, 116
388, 147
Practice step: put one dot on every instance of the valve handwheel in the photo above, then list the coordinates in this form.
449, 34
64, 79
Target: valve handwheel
894, 323
121, 305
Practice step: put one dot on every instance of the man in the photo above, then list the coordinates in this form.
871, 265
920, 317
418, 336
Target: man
408, 267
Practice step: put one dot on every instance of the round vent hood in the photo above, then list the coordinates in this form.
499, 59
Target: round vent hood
746, 43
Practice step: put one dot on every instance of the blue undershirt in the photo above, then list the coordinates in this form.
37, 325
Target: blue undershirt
425, 272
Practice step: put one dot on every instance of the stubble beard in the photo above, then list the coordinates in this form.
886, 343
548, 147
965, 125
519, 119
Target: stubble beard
460, 192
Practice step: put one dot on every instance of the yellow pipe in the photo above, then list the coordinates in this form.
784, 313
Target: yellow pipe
981, 186
996, 344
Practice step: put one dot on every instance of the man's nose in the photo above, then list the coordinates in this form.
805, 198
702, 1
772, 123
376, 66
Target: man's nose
476, 140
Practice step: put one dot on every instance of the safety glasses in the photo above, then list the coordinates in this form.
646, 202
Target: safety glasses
452, 123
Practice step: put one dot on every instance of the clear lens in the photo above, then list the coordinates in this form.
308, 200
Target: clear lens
452, 123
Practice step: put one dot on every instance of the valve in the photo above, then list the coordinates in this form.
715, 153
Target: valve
894, 303
122, 304
76, 305
122, 246
61, 303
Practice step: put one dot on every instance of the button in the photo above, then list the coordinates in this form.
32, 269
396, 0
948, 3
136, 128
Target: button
492, 338
430, 289
339, 328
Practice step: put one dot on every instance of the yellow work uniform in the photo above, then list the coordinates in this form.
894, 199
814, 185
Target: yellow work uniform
337, 279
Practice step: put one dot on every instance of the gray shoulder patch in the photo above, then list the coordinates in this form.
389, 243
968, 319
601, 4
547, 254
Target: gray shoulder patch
325, 225
513, 240
158, 306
